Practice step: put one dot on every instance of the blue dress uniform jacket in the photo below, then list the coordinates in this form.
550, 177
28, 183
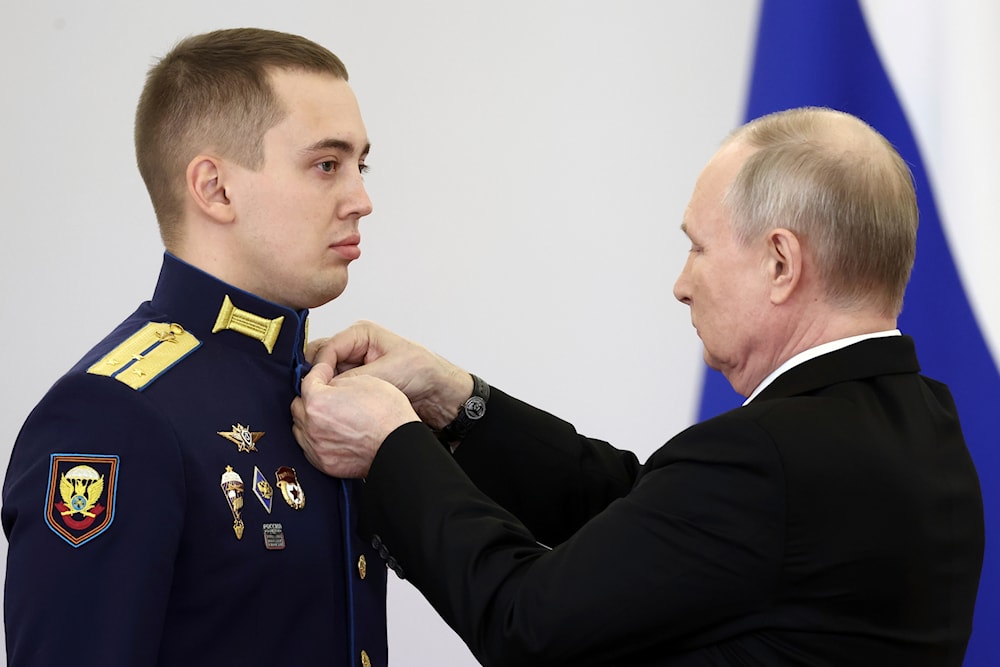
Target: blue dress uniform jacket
160, 512
835, 520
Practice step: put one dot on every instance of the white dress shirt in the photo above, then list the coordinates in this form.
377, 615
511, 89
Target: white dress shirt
814, 352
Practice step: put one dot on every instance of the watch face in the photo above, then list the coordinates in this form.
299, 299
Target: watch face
475, 407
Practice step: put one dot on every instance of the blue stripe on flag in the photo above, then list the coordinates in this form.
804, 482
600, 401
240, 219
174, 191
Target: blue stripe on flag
820, 53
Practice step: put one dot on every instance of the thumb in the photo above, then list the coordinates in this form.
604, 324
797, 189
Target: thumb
314, 348
319, 376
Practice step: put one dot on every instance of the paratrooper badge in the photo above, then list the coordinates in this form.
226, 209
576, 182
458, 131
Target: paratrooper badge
232, 487
80, 501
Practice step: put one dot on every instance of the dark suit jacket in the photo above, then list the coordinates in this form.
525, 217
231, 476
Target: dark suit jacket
836, 520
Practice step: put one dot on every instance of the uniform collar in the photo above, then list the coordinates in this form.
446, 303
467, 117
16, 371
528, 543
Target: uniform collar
213, 310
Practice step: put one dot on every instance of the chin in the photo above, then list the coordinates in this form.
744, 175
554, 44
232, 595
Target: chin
332, 292
716, 365
325, 286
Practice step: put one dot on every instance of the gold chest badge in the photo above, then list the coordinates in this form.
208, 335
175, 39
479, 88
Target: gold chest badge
232, 486
291, 491
241, 436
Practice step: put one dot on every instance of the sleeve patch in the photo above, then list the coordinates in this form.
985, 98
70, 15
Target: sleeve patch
80, 500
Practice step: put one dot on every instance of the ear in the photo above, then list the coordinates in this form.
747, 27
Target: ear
207, 190
784, 264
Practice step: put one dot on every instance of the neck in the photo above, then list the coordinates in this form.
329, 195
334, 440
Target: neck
800, 333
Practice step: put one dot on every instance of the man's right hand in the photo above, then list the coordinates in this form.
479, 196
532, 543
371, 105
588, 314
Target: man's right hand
341, 422
435, 387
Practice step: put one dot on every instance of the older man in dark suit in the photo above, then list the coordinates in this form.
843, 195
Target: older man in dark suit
834, 519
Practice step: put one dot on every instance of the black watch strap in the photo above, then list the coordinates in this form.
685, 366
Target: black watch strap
469, 412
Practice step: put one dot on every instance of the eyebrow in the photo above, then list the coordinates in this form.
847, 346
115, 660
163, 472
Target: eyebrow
335, 144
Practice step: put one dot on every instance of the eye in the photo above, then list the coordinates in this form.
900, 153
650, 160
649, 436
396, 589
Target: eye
327, 166
363, 168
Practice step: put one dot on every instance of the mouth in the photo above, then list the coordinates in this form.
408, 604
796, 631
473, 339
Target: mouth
348, 248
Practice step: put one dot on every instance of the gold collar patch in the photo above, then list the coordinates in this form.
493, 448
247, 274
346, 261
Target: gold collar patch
259, 328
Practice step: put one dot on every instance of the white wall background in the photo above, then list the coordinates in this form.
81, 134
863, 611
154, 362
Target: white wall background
531, 162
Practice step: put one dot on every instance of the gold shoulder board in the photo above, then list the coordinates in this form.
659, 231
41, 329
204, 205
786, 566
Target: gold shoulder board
146, 354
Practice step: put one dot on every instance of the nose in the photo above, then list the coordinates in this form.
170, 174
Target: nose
357, 203
682, 291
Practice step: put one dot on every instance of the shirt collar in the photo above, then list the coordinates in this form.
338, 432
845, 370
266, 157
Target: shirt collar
814, 352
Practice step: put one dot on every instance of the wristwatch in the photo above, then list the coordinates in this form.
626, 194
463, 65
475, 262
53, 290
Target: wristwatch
469, 412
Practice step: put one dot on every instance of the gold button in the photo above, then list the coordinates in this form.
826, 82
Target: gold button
362, 566
365, 660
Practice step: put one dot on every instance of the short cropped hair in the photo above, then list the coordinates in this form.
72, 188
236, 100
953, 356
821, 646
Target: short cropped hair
841, 187
213, 92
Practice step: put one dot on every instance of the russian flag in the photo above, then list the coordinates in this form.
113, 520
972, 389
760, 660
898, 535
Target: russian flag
822, 53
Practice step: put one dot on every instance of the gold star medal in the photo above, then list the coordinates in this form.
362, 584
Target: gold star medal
244, 439
232, 486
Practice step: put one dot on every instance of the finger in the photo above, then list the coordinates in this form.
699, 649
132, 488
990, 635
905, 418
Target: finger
377, 368
310, 456
298, 413
323, 351
314, 347
299, 434
346, 349
319, 376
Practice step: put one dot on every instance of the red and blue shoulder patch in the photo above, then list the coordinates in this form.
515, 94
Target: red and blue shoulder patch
80, 501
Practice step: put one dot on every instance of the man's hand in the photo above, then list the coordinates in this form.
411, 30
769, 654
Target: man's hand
341, 422
435, 387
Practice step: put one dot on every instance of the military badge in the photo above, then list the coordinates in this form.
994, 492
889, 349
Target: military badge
262, 489
232, 486
80, 501
244, 439
274, 537
291, 491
